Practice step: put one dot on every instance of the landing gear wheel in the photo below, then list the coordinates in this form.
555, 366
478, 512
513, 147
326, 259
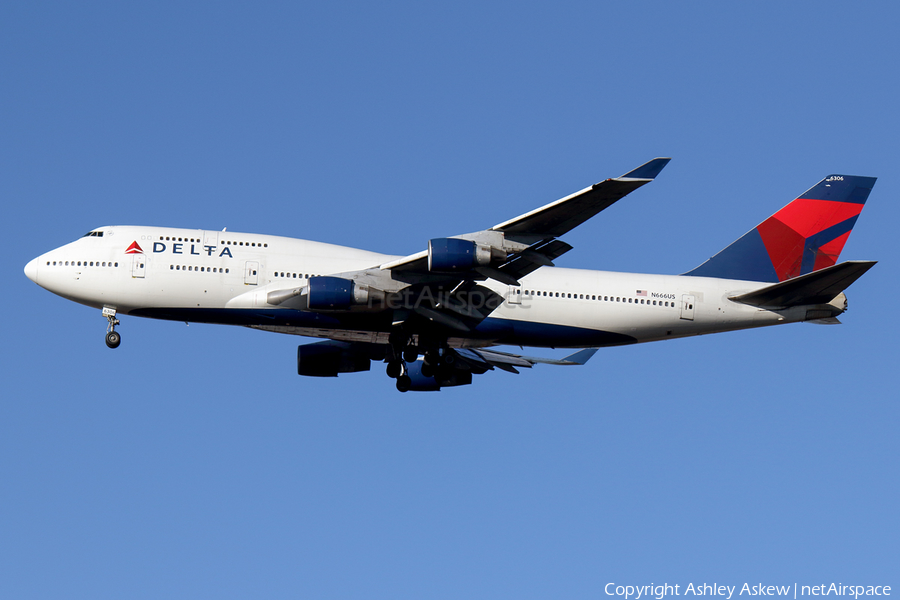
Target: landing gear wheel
427, 369
410, 354
404, 383
394, 369
113, 339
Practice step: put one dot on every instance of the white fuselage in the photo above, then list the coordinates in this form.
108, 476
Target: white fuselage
225, 277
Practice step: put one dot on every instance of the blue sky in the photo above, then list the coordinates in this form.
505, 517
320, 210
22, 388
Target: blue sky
194, 462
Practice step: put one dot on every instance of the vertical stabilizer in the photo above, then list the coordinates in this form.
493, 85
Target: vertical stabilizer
806, 235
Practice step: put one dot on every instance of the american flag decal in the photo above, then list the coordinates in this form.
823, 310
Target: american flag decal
641, 293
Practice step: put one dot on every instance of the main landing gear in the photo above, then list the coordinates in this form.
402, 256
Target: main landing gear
113, 339
402, 352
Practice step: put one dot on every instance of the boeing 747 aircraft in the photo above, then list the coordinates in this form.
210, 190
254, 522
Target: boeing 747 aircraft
433, 316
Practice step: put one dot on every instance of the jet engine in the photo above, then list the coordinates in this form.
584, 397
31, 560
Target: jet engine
327, 359
451, 255
443, 378
336, 293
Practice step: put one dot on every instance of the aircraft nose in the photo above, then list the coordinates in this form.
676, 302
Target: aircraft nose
31, 270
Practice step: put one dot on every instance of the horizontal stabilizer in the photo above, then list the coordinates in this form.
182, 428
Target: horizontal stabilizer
818, 287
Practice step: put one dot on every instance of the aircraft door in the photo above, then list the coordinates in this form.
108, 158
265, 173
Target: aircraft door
687, 307
211, 238
138, 265
515, 295
251, 272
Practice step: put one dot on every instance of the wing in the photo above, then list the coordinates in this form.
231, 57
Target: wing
437, 292
530, 238
560, 217
457, 366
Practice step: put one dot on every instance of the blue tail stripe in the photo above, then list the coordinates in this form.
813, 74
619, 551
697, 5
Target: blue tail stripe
746, 259
841, 188
812, 244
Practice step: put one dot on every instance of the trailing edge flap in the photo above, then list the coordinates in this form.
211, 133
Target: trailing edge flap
818, 287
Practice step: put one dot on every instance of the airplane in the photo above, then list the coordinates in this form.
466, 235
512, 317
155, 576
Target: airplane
435, 316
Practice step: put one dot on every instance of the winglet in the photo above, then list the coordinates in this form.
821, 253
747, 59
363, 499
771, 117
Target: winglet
648, 170
582, 356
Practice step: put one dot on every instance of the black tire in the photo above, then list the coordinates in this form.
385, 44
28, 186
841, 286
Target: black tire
394, 369
404, 383
113, 339
449, 358
410, 354
427, 369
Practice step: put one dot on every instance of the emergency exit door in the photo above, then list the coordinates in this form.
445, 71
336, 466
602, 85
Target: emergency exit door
251, 272
687, 307
138, 265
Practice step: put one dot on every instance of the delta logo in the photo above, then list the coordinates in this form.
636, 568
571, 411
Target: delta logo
134, 248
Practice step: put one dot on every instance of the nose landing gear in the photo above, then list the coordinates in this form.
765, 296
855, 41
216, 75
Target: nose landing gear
113, 339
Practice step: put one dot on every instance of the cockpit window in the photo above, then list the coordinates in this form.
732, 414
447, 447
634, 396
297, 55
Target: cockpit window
93, 234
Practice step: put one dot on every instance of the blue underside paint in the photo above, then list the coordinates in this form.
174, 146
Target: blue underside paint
745, 259
502, 331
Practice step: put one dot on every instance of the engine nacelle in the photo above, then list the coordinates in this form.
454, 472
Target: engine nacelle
451, 255
336, 293
327, 359
420, 383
